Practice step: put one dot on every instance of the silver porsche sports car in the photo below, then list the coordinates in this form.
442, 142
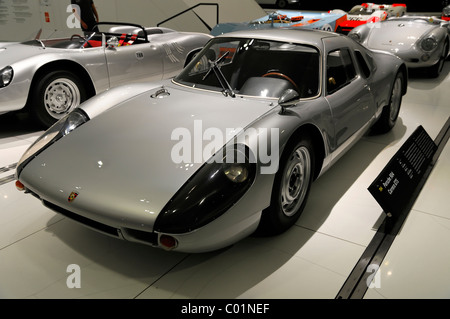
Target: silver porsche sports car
227, 148
422, 42
51, 77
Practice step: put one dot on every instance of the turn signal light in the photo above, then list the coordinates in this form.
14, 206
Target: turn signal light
20, 186
168, 242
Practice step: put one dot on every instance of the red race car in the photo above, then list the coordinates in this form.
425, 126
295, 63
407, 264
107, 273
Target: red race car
370, 13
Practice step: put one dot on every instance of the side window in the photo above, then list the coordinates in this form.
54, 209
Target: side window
362, 64
340, 70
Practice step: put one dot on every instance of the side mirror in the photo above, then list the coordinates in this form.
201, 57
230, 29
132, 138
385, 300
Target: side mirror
112, 43
288, 99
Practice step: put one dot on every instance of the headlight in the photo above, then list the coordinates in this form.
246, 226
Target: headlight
428, 44
214, 189
6, 76
60, 129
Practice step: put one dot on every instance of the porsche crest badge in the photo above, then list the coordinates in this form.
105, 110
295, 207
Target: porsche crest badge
72, 197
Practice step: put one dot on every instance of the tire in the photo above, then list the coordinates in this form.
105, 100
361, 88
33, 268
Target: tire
390, 112
327, 27
282, 4
435, 70
291, 189
55, 95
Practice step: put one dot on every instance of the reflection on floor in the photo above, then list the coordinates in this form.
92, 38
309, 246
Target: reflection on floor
38, 248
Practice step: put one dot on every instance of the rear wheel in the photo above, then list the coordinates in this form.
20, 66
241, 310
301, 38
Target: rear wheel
55, 95
390, 112
291, 188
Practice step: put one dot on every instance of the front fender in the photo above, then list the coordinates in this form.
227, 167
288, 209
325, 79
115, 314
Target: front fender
27, 71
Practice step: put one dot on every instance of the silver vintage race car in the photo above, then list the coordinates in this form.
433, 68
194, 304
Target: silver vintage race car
51, 77
227, 148
422, 42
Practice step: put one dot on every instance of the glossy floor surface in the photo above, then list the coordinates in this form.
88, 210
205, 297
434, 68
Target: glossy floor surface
44, 255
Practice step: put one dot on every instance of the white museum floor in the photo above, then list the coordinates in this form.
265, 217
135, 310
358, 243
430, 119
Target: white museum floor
310, 261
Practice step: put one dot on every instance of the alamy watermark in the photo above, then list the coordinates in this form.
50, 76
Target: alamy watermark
73, 20
74, 279
374, 280
200, 145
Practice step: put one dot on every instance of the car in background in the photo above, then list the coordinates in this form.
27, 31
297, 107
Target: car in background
282, 4
446, 13
286, 18
49, 78
394, 10
421, 41
369, 13
227, 148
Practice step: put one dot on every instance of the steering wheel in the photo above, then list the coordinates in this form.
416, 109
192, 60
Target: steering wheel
86, 43
282, 76
77, 36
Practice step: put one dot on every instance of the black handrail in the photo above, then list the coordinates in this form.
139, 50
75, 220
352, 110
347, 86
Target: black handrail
192, 8
128, 25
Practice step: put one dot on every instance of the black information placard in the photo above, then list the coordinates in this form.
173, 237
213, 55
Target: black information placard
392, 189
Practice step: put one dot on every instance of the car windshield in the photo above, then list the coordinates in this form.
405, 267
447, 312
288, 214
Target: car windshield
422, 20
75, 42
124, 35
361, 11
254, 67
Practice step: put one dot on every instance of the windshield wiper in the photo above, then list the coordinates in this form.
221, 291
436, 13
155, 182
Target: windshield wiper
214, 66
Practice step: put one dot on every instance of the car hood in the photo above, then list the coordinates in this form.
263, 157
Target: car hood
120, 163
396, 36
11, 52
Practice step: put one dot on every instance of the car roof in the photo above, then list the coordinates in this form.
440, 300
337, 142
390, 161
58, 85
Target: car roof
293, 34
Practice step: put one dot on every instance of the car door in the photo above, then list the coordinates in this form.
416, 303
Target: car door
134, 63
347, 92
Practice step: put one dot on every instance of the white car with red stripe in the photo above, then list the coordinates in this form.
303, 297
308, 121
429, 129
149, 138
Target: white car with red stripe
370, 13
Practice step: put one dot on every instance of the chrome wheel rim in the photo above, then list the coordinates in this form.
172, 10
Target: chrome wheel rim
295, 181
60, 97
395, 99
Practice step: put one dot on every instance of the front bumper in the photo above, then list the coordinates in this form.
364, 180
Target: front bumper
419, 59
220, 233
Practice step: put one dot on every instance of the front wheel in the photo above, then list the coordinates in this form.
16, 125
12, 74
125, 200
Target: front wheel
55, 95
390, 112
291, 189
436, 69
327, 27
